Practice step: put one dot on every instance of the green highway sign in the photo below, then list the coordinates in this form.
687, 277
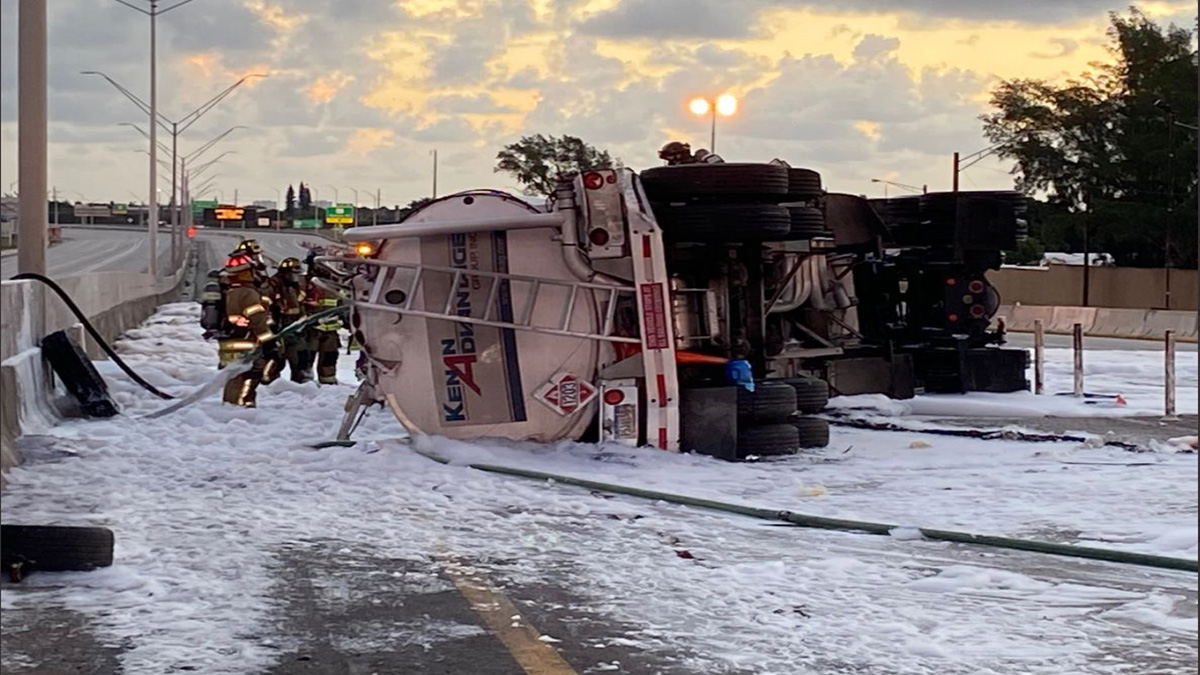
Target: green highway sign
198, 206
342, 214
307, 223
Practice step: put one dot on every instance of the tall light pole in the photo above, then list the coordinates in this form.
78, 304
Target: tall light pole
173, 127
32, 237
435, 163
335, 192
725, 105
912, 188
375, 213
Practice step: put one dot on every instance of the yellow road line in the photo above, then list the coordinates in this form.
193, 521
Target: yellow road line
517, 635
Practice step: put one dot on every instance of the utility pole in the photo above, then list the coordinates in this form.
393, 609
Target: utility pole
31, 143
176, 240
152, 208
435, 174
955, 182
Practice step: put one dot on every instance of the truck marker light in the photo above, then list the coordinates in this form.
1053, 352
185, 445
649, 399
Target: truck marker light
968, 299
977, 311
951, 281
952, 317
976, 286
611, 178
614, 397
598, 236
593, 181
364, 249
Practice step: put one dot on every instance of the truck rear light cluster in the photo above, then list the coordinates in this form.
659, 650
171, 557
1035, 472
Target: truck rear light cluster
598, 236
593, 181
614, 396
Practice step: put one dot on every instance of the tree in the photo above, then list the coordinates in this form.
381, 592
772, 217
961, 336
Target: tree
305, 198
290, 204
1107, 149
537, 161
418, 202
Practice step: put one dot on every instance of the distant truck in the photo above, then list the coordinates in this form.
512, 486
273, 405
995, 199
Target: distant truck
709, 307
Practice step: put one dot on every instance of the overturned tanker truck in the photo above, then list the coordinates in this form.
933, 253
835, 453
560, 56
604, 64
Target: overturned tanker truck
709, 307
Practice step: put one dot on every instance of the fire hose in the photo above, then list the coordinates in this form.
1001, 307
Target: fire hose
860, 526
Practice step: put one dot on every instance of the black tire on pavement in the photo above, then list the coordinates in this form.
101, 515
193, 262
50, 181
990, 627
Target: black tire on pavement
812, 394
803, 184
813, 432
49, 548
718, 181
723, 222
768, 440
806, 222
771, 401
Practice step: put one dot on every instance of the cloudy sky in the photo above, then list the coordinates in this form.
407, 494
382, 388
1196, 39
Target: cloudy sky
360, 92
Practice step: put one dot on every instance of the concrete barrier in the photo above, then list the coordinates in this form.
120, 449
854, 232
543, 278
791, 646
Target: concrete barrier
1149, 324
113, 301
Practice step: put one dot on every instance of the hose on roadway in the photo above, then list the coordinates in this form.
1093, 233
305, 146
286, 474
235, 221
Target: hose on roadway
821, 522
92, 331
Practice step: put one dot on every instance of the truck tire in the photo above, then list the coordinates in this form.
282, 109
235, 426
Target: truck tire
54, 548
771, 401
715, 181
768, 440
812, 394
813, 432
806, 222
723, 222
803, 184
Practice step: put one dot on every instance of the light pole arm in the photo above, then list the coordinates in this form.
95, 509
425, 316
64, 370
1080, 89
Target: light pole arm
192, 117
161, 146
142, 105
192, 157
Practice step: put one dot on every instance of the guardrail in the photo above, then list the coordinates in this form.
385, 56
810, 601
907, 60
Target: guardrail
113, 301
1146, 324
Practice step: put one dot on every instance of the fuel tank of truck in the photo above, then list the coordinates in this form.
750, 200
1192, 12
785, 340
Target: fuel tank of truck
462, 380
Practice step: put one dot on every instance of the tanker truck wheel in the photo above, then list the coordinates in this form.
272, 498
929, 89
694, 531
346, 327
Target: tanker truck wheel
716, 182
806, 222
812, 394
770, 401
768, 440
723, 222
28, 548
813, 432
803, 185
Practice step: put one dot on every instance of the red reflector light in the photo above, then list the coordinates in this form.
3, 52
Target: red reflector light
191, 232
976, 286
614, 397
598, 236
593, 181
951, 281
952, 318
611, 178
977, 311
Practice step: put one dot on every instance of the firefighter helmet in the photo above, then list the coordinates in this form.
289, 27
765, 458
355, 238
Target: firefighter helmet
249, 247
290, 265
676, 152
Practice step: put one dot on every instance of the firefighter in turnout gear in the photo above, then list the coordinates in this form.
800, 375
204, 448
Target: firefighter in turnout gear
288, 296
325, 334
212, 306
249, 327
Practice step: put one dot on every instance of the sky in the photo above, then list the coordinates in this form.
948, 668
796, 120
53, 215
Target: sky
358, 94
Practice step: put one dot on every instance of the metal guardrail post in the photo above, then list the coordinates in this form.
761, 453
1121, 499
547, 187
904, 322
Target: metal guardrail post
1169, 379
1077, 343
1039, 357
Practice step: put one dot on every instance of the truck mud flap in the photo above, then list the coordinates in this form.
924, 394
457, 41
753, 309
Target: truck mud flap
78, 375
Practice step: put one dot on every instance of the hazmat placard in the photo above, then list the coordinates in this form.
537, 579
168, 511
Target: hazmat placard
565, 393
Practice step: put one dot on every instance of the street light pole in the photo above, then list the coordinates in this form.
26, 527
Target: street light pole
32, 236
435, 167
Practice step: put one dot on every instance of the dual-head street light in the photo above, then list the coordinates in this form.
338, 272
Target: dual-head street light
725, 105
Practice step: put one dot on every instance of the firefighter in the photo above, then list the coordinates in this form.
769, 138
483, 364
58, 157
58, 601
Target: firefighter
212, 305
288, 295
326, 341
249, 327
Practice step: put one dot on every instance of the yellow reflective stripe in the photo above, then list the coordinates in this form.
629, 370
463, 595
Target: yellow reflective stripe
254, 309
237, 346
265, 335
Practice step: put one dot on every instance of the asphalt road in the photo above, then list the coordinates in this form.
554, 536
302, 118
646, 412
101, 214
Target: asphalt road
96, 249
1096, 343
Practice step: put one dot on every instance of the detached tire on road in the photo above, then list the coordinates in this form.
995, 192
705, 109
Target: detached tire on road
812, 394
48, 548
769, 402
768, 440
716, 181
723, 222
813, 432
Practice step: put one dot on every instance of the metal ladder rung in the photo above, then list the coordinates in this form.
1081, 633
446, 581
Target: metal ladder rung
569, 309
527, 316
493, 291
450, 294
412, 288
610, 313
